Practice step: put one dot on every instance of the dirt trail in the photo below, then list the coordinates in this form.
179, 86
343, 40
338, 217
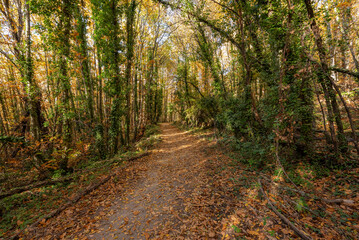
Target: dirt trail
156, 205
177, 192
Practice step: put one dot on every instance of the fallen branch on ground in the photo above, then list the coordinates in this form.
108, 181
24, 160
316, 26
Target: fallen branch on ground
35, 185
70, 202
329, 201
61, 180
282, 217
339, 201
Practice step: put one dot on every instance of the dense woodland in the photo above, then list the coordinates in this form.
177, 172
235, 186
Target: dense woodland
83, 79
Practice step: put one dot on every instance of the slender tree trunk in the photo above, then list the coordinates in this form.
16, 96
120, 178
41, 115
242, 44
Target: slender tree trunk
115, 115
327, 85
84, 59
130, 22
327, 137
34, 91
345, 21
4, 115
65, 85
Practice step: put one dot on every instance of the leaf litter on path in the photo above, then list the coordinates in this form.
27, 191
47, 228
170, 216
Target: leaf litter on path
183, 190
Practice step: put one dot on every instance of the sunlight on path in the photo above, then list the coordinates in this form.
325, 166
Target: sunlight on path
155, 206
179, 191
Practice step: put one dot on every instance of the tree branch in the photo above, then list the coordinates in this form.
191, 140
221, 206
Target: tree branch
223, 33
345, 71
282, 217
9, 58
228, 8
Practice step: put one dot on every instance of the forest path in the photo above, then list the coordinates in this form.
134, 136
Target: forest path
176, 192
155, 205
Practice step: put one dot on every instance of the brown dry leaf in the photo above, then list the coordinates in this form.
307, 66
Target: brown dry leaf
253, 232
331, 209
68, 212
286, 231
43, 221
147, 236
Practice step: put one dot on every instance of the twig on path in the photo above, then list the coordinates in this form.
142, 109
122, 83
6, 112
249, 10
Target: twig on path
282, 217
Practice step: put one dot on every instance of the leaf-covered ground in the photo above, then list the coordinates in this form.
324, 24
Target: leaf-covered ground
187, 188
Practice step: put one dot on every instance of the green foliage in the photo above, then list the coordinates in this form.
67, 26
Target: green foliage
151, 130
20, 210
99, 146
202, 112
236, 229
148, 143
150, 138
235, 117
272, 233
254, 153
301, 205
11, 139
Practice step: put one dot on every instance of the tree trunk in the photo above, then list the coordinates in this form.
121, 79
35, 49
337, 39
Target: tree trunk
84, 60
65, 85
327, 85
130, 22
115, 114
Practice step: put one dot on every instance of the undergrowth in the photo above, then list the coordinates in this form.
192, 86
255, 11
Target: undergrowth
252, 161
20, 210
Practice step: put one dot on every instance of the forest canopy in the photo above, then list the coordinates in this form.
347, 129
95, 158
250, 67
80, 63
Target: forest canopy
95, 73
